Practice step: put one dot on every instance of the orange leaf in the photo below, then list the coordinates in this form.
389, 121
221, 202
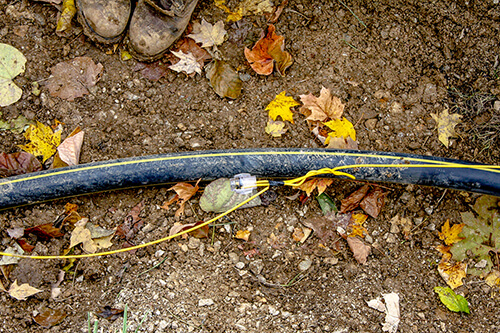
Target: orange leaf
243, 234
184, 192
320, 183
268, 49
450, 235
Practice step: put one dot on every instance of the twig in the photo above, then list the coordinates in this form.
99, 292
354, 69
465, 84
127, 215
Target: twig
349, 9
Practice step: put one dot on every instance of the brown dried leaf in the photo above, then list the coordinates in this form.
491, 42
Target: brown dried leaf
359, 249
44, 231
269, 49
72, 79
49, 317
373, 202
18, 163
352, 201
23, 243
198, 233
153, 71
109, 313
323, 107
133, 223
184, 192
320, 183
69, 149
224, 79
187, 45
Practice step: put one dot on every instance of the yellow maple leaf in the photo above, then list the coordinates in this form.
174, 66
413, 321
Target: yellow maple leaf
280, 106
275, 128
340, 128
446, 125
43, 141
357, 225
450, 235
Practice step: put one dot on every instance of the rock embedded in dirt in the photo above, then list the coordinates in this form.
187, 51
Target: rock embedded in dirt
256, 266
305, 264
205, 302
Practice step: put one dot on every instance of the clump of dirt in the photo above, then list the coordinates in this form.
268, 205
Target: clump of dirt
392, 64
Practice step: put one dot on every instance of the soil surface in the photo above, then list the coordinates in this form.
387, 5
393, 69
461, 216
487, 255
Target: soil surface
407, 60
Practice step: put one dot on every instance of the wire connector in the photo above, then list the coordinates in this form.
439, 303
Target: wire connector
243, 183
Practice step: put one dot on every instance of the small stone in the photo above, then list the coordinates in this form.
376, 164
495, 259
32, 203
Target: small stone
273, 311
429, 210
240, 265
234, 257
394, 229
194, 243
256, 266
331, 261
305, 264
369, 239
205, 302
245, 77
285, 314
371, 123
217, 246
163, 324
159, 253
481, 264
196, 143
184, 248
396, 107
496, 106
181, 126
391, 239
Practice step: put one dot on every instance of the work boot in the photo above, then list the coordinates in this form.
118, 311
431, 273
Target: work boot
104, 21
156, 25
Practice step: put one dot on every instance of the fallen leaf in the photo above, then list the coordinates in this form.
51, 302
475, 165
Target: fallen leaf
187, 63
373, 202
43, 141
323, 107
49, 317
187, 45
452, 273
446, 125
125, 55
23, 291
270, 48
7, 260
109, 313
184, 192
245, 8
493, 279
452, 301
23, 243
392, 313
69, 149
325, 228
341, 128
242, 234
12, 63
359, 249
240, 32
198, 233
224, 79
316, 183
18, 163
20, 124
44, 231
326, 203
133, 223
81, 235
342, 143
450, 235
273, 18
98, 232
73, 78
352, 201
68, 10
207, 34
152, 71
356, 225
15, 233
275, 128
280, 106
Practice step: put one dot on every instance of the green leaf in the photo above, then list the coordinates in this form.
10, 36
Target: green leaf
12, 63
326, 203
481, 235
452, 301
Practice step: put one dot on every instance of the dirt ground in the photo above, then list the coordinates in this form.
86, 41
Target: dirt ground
427, 56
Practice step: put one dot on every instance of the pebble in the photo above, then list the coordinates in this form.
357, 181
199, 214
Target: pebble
391, 239
245, 77
233, 257
184, 248
273, 311
429, 210
240, 265
371, 123
396, 107
496, 106
163, 324
159, 253
331, 261
305, 264
205, 302
194, 243
369, 239
256, 266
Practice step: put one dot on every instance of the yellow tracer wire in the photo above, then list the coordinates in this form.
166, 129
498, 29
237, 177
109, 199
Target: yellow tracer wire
296, 182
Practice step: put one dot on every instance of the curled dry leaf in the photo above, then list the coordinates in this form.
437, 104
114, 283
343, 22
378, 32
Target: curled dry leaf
270, 48
44, 231
208, 35
320, 183
73, 78
446, 125
198, 233
184, 192
49, 317
187, 45
352, 201
323, 107
359, 249
275, 128
18, 163
133, 223
452, 272
69, 149
224, 79
68, 10
373, 202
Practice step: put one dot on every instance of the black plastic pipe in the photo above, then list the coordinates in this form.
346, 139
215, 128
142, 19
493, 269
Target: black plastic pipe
265, 163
